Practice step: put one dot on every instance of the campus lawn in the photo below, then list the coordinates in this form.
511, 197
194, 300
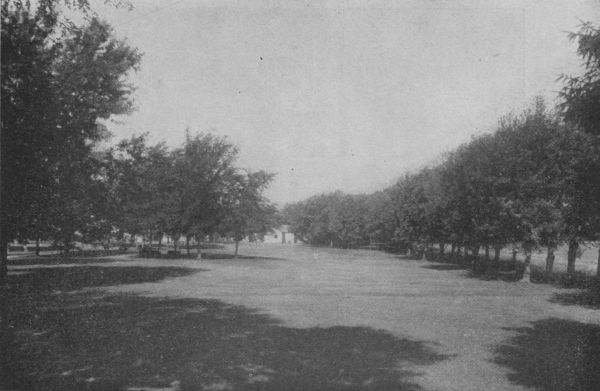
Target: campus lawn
291, 317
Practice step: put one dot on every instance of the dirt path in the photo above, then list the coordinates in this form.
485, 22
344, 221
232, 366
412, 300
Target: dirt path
493, 335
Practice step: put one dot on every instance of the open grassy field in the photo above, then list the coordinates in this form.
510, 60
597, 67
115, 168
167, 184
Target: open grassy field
291, 317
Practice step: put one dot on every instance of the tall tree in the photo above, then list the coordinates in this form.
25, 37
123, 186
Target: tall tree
581, 94
144, 179
581, 106
247, 211
379, 224
56, 85
204, 167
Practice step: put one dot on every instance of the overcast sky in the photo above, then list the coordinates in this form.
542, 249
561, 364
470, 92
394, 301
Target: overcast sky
342, 95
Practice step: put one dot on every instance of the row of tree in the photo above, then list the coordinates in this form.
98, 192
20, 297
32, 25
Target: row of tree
191, 191
60, 82
534, 182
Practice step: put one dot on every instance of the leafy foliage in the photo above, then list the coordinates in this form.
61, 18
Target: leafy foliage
532, 183
57, 84
581, 94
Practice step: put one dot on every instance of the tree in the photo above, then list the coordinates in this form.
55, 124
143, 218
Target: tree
379, 219
56, 84
144, 179
310, 219
246, 209
539, 170
204, 167
581, 106
581, 94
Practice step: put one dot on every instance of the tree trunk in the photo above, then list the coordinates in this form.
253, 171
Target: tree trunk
452, 250
442, 246
572, 255
199, 244
497, 254
237, 243
187, 244
527, 271
37, 247
66, 248
3, 262
492, 263
598, 265
550, 260
5, 339
514, 255
496, 263
475, 257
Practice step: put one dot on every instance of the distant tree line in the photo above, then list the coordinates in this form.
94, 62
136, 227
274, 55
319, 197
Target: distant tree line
534, 182
59, 82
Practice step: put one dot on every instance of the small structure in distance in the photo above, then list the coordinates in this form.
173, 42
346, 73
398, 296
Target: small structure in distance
281, 234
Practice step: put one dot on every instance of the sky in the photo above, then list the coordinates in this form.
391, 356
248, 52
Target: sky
341, 95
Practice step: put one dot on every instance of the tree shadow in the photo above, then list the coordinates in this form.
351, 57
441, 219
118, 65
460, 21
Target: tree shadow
554, 354
43, 260
90, 340
409, 257
43, 281
589, 297
444, 266
239, 257
479, 270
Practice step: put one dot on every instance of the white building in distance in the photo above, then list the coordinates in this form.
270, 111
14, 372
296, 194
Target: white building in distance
281, 234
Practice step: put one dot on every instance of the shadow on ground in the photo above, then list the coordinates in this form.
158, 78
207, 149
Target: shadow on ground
54, 260
239, 257
588, 297
479, 271
34, 282
444, 266
89, 340
554, 354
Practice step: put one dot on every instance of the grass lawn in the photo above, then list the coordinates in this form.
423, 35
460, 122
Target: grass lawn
290, 317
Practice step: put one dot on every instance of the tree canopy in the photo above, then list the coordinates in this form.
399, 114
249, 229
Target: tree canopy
57, 84
581, 94
530, 183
